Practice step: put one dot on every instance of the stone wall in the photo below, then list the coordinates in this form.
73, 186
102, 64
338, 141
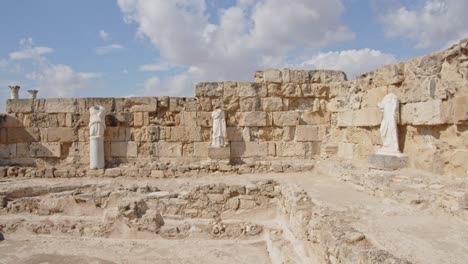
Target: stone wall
285, 114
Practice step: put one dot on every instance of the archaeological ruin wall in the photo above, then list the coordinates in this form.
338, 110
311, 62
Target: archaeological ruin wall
283, 115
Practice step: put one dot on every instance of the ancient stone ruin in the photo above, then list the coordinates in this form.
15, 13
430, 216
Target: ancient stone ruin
299, 166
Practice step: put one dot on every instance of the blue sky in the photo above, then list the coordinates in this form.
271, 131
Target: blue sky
119, 48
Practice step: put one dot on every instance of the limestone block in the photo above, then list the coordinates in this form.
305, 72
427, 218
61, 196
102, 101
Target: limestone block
176, 104
422, 113
346, 150
140, 119
292, 149
205, 103
326, 76
272, 75
315, 118
185, 134
141, 104
144, 134
271, 149
460, 109
117, 134
19, 105
209, 89
248, 89
22, 150
315, 90
387, 162
60, 105
20, 134
45, 150
299, 76
223, 153
272, 104
287, 118
310, 133
374, 96
291, 90
235, 133
60, 134
252, 119
113, 172
204, 119
250, 104
83, 104
192, 105
124, 149
9, 121
167, 149
7, 151
231, 104
188, 119
3, 136
200, 149
308, 104
231, 89
249, 149
363, 117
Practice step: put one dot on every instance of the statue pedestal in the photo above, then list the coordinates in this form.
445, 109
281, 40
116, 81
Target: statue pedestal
387, 161
222, 153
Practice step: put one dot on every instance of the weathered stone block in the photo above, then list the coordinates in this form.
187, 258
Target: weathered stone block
326, 76
315, 118
124, 149
188, 119
9, 121
315, 90
167, 149
346, 150
362, 117
287, 118
292, 149
19, 105
7, 151
460, 109
250, 104
200, 149
252, 118
272, 75
231, 89
291, 90
45, 150
140, 119
113, 172
310, 133
185, 134
141, 104
209, 89
117, 134
223, 153
387, 162
249, 149
423, 113
204, 119
60, 134
20, 134
60, 105
299, 76
272, 104
248, 89
83, 104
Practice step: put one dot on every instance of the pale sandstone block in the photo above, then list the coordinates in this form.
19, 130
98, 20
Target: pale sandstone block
310, 133
291, 90
315, 90
188, 119
124, 149
9, 121
22, 150
292, 149
346, 150
287, 118
272, 104
204, 119
373, 96
362, 117
315, 118
248, 89
3, 136
299, 76
60, 134
234, 134
422, 113
222, 153
326, 76
200, 149
167, 149
140, 119
60, 105
252, 118
271, 149
272, 75
20, 134
176, 104
250, 104
205, 103
141, 104
460, 109
185, 134
117, 134
45, 150
19, 105
7, 151
209, 89
231, 89
192, 105
85, 103
249, 149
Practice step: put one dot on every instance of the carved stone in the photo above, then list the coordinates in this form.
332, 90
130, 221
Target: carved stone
388, 128
14, 89
219, 129
33, 93
97, 125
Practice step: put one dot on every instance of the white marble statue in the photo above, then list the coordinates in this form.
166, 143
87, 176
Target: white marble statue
97, 124
390, 107
219, 129
14, 91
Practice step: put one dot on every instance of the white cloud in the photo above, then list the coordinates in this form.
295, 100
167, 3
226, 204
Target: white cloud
104, 50
125, 71
60, 80
3, 63
104, 35
249, 35
155, 67
353, 62
434, 23
30, 53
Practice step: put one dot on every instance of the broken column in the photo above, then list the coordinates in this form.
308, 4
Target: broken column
33, 93
97, 124
219, 149
14, 90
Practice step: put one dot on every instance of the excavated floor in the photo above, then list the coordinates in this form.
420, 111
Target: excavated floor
222, 219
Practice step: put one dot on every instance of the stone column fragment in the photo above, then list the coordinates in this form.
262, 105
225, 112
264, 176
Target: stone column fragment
14, 90
33, 93
97, 125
